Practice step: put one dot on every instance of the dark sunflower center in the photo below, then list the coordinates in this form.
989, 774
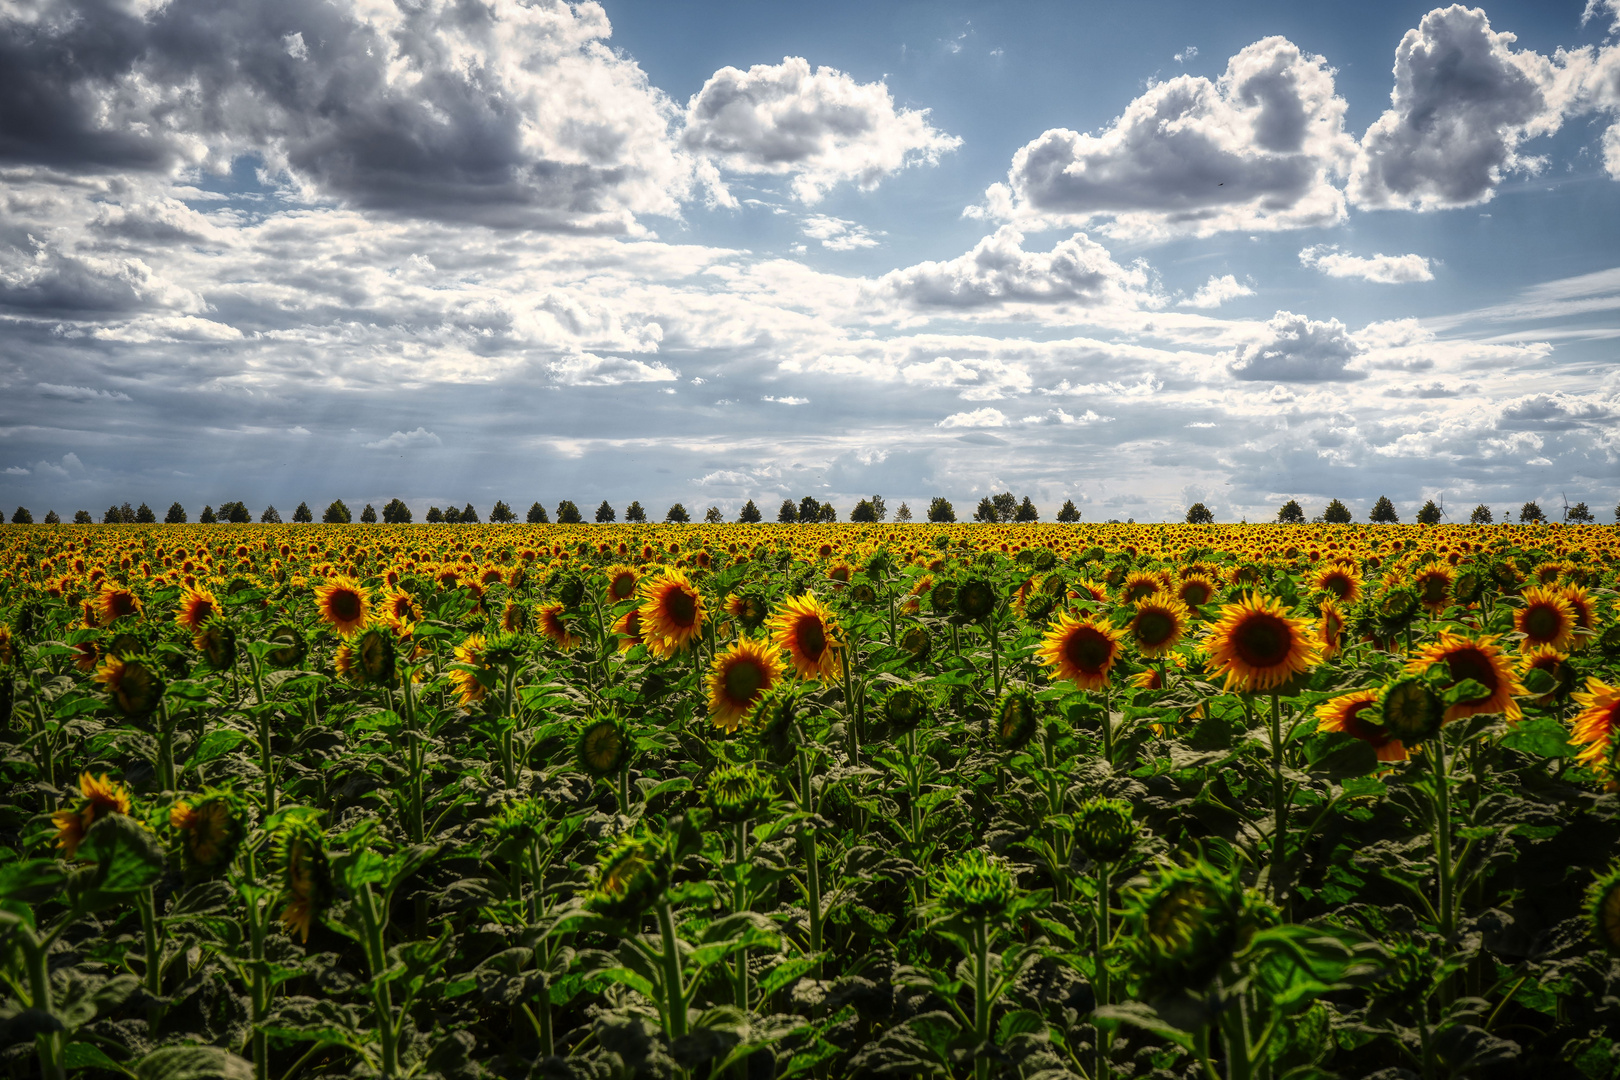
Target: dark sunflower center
1088, 650
1195, 594
1337, 584
623, 586
1543, 622
1434, 589
681, 607
346, 605
744, 680
1141, 589
1473, 664
1263, 641
812, 638
1155, 627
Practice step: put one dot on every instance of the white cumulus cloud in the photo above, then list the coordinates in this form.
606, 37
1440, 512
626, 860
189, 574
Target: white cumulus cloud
998, 271
1293, 348
837, 234
1217, 291
1380, 268
977, 418
400, 440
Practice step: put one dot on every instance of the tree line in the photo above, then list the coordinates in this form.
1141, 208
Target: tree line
1431, 513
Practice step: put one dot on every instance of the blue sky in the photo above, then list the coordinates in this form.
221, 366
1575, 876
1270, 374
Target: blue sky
1133, 255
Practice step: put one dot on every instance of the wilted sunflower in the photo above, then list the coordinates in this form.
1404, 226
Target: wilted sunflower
1595, 727
1158, 625
132, 684
1547, 618
975, 599
738, 678
210, 827
115, 602
98, 798
603, 747
197, 606
805, 629
1343, 580
306, 875
549, 618
216, 640
1480, 660
1082, 651
469, 689
342, 604
629, 879
1343, 713
671, 613
1256, 645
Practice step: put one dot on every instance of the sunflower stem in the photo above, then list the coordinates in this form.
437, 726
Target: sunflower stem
674, 987
1279, 808
995, 656
36, 959
165, 757
1107, 725
623, 790
1442, 850
374, 922
152, 976
981, 998
1104, 1038
266, 761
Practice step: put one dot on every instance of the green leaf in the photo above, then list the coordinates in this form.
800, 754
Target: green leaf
1539, 736
127, 855
1143, 1016
788, 972
30, 881
216, 744
81, 1055
1469, 691
1536, 681
1019, 1022
193, 1063
1339, 756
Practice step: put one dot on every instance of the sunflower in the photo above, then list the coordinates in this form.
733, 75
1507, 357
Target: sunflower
400, 608
1433, 585
1595, 726
469, 655
1195, 591
806, 631
1603, 909
1343, 713
342, 603
1555, 664
1257, 645
1158, 625
1081, 651
1546, 619
549, 618
210, 830
671, 613
628, 629
307, 877
99, 797
630, 877
197, 606
133, 685
738, 678
116, 602
1330, 625
368, 660
603, 747
514, 617
1016, 720
1480, 660
1139, 586
1343, 580
8, 646
1580, 601
738, 792
217, 642
621, 583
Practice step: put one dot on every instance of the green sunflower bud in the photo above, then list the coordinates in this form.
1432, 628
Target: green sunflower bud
1104, 829
863, 594
1603, 908
1045, 559
289, 646
773, 723
1411, 710
629, 879
569, 588
603, 748
1039, 608
975, 599
1608, 641
977, 886
738, 792
1185, 924
1398, 605
905, 710
942, 598
1016, 720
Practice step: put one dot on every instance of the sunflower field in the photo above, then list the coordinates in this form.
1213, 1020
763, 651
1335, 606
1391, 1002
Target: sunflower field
753, 801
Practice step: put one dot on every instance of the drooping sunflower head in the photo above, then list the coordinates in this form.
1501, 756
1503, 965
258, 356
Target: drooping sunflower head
1158, 625
738, 678
603, 747
210, 827
975, 599
672, 613
630, 877
1081, 651
342, 603
132, 683
1597, 728
1547, 673
918, 642
1468, 586
216, 640
1603, 909
627, 628
472, 673
115, 602
306, 875
1546, 619
568, 589
1016, 720
807, 632
290, 646
1257, 646
1330, 624
738, 792
1397, 606
977, 886
1480, 660
98, 797
1411, 711
1184, 923
368, 660
774, 723
905, 709
8, 646
1352, 714
197, 606
1104, 829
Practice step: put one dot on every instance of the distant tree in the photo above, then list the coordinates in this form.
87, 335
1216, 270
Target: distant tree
112, 516
635, 513
568, 513
1290, 513
1199, 514
452, 516
864, 513
985, 511
144, 515
1068, 513
829, 513
809, 509
21, 516
82, 517
239, 514
677, 515
302, 516
1027, 511
501, 514
903, 515
537, 515
1383, 512
1336, 513
789, 513
880, 508
1006, 505
51, 518
396, 513
749, 514
713, 516
1480, 516
207, 516
270, 516
940, 510
435, 516
1616, 512
469, 516
1579, 514
605, 513
368, 516
337, 514
176, 515
1430, 514
1530, 513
